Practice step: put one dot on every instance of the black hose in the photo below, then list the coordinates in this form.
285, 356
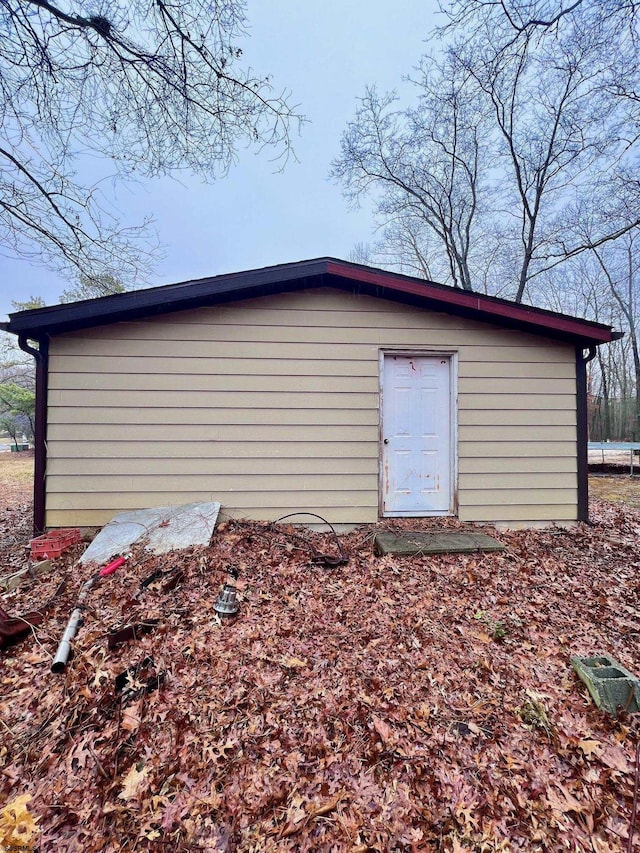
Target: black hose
327, 559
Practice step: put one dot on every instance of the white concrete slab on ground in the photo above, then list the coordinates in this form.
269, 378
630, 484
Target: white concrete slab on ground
160, 529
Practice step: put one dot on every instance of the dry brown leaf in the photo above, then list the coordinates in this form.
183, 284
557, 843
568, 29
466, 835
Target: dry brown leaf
590, 747
329, 806
132, 782
294, 662
17, 824
457, 847
298, 818
131, 716
562, 800
615, 758
482, 636
382, 728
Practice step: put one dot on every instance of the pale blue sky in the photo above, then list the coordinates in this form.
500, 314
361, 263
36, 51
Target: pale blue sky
325, 54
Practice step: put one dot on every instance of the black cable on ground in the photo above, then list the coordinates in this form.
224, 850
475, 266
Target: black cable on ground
328, 560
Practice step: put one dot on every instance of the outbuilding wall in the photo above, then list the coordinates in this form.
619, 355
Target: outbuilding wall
271, 405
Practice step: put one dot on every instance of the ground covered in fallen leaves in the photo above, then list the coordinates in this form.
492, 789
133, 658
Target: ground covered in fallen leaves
389, 704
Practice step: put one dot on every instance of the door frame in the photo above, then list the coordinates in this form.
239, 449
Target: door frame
417, 352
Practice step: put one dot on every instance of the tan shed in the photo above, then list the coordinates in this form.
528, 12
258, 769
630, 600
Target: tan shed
319, 386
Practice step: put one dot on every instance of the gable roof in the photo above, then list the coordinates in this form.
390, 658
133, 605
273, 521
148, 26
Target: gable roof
303, 275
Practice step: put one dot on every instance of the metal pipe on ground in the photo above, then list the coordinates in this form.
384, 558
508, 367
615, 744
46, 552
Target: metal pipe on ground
64, 648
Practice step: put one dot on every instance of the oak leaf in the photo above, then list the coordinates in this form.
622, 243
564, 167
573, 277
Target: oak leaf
382, 728
615, 758
590, 747
132, 782
294, 662
561, 800
17, 824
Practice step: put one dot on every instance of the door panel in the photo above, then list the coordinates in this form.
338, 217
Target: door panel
417, 435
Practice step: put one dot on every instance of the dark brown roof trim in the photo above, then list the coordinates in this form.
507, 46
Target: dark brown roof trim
167, 298
491, 308
298, 276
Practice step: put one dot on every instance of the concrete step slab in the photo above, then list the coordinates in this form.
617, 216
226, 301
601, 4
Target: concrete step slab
437, 542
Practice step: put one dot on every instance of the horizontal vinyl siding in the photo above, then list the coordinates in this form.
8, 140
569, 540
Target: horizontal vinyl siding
271, 405
358, 389
163, 495
521, 514
96, 517
496, 452
117, 366
203, 351
201, 483
118, 373
517, 417
208, 466
290, 399
538, 465
225, 415
508, 479
186, 449
219, 432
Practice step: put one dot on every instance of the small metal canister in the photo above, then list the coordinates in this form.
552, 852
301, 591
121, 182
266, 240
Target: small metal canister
227, 603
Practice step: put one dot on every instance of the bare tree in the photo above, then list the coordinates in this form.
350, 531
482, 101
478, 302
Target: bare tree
422, 165
514, 135
149, 86
15, 365
407, 245
620, 268
611, 23
593, 46
603, 286
522, 18
557, 134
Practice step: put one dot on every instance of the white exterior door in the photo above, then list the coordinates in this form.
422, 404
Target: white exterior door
417, 435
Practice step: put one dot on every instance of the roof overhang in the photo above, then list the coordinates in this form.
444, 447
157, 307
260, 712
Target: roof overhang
304, 275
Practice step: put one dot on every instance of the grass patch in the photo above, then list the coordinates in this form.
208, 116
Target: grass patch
621, 489
16, 469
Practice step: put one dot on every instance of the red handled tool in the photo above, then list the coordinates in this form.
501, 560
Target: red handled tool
112, 567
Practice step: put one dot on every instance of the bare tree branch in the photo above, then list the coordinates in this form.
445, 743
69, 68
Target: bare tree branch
149, 86
423, 164
529, 116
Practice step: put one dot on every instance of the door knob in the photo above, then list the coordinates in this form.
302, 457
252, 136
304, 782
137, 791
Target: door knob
386, 441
